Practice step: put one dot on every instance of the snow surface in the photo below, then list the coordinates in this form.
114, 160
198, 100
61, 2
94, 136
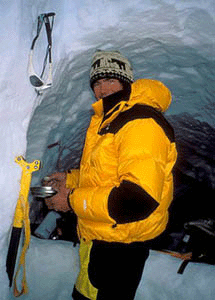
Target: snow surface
168, 40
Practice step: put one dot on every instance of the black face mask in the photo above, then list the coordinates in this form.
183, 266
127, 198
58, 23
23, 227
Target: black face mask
123, 95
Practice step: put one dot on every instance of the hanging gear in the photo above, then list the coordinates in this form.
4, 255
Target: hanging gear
36, 80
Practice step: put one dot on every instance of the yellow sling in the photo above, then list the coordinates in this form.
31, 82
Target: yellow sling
21, 217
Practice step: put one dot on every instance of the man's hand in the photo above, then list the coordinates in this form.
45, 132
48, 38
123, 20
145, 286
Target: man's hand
58, 202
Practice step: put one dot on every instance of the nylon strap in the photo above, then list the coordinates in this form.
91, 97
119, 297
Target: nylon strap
21, 218
35, 79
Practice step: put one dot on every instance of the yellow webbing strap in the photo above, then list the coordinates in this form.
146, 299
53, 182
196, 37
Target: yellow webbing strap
21, 218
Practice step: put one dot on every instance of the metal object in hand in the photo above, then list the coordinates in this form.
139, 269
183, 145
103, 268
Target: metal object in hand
43, 191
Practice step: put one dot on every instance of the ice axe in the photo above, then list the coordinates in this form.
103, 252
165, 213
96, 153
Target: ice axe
21, 220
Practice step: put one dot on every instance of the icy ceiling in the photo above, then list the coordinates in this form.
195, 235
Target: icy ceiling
168, 40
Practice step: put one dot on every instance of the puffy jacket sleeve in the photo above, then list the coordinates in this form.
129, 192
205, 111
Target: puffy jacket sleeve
142, 149
143, 156
72, 179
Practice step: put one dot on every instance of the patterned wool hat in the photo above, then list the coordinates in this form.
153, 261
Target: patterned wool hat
110, 64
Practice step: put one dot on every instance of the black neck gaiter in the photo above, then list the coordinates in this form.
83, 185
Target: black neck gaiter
110, 101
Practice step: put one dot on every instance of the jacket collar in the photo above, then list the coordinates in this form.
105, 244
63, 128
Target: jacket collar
143, 91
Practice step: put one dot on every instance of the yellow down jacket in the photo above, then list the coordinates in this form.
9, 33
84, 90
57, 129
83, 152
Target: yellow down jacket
125, 186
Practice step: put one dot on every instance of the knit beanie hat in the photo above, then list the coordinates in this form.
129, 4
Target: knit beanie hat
110, 64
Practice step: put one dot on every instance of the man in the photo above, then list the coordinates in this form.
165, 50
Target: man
124, 187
